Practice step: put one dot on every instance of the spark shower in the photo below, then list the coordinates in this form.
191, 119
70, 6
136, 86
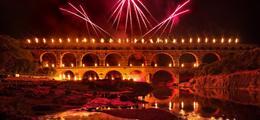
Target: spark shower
126, 13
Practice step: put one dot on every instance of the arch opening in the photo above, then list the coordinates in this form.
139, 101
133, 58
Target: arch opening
68, 75
90, 60
113, 60
188, 60
114, 75
162, 60
69, 60
90, 75
136, 60
162, 78
48, 60
137, 76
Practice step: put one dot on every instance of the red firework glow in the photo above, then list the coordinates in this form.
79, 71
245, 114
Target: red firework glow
81, 13
132, 8
125, 13
169, 22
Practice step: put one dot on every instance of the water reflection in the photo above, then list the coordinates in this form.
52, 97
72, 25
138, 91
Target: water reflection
193, 104
206, 104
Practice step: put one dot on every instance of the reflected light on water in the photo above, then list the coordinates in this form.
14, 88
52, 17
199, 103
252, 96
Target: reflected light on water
185, 106
170, 105
212, 118
143, 105
182, 105
195, 106
156, 105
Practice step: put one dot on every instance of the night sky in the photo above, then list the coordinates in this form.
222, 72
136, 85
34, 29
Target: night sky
42, 18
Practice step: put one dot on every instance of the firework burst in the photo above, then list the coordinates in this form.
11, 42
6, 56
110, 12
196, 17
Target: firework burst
168, 22
132, 15
81, 13
124, 11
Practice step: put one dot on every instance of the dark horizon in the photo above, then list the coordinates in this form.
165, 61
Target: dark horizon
217, 18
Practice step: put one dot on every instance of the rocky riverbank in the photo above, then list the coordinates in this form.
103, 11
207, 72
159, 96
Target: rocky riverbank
249, 80
23, 99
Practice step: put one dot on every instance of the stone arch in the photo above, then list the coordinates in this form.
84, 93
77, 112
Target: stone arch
90, 59
188, 60
68, 75
69, 59
162, 77
113, 59
162, 59
165, 99
138, 76
136, 59
114, 75
210, 58
48, 59
162, 93
90, 75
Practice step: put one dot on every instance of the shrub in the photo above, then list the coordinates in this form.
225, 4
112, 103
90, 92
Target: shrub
248, 60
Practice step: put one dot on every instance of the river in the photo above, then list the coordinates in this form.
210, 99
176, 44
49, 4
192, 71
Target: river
192, 104
207, 104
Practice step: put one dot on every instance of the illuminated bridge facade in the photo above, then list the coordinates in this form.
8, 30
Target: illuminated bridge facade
136, 59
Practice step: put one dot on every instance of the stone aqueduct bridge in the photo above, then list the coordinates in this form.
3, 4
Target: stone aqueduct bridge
140, 60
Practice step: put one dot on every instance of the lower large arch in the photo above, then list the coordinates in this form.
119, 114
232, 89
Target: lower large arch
113, 59
114, 75
68, 75
162, 77
210, 58
90, 75
188, 60
69, 60
48, 59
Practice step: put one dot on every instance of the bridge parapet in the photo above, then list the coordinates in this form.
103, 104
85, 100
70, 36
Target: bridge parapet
136, 44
